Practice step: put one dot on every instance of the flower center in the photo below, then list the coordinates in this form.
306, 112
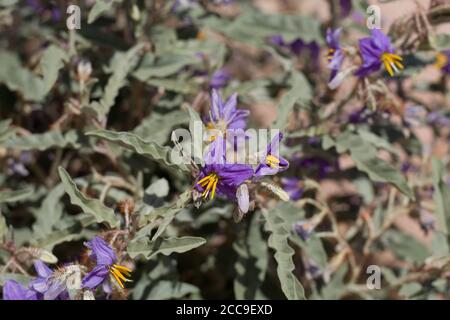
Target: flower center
441, 60
220, 125
330, 54
392, 63
209, 183
120, 273
273, 161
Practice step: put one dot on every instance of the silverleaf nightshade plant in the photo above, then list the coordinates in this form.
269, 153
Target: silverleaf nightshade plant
352, 171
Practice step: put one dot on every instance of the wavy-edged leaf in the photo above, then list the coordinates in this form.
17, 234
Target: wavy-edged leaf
167, 213
50, 212
280, 231
441, 197
16, 195
160, 154
100, 7
299, 92
366, 159
166, 289
88, 205
5, 130
44, 141
255, 27
251, 263
121, 65
178, 85
18, 78
165, 246
153, 66
31, 86
156, 125
52, 61
3, 227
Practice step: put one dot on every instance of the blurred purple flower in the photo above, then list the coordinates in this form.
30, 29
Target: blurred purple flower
297, 47
377, 50
316, 163
18, 166
303, 229
426, 221
293, 187
12, 290
106, 260
436, 118
360, 116
335, 54
46, 8
346, 7
219, 79
272, 162
443, 61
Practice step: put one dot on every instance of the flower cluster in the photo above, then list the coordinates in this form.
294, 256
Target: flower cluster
54, 284
227, 178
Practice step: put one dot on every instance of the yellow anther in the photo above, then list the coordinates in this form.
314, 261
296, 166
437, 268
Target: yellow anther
392, 62
272, 161
117, 270
441, 60
210, 184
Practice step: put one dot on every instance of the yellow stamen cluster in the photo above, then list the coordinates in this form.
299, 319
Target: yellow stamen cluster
441, 60
273, 161
392, 62
120, 273
209, 183
330, 54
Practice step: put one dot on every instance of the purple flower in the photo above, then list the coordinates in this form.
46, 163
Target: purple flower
335, 54
360, 116
303, 229
272, 162
293, 187
346, 7
225, 115
12, 290
297, 46
219, 79
218, 176
106, 260
438, 119
443, 61
45, 9
47, 285
377, 50
322, 165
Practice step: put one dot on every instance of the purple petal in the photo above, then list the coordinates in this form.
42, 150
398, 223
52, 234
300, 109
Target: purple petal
42, 269
102, 251
12, 290
94, 278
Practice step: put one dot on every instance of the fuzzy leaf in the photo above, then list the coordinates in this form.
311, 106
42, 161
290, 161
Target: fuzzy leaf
143, 147
365, 156
299, 92
121, 65
92, 206
280, 231
44, 141
165, 246
251, 263
441, 197
13, 196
